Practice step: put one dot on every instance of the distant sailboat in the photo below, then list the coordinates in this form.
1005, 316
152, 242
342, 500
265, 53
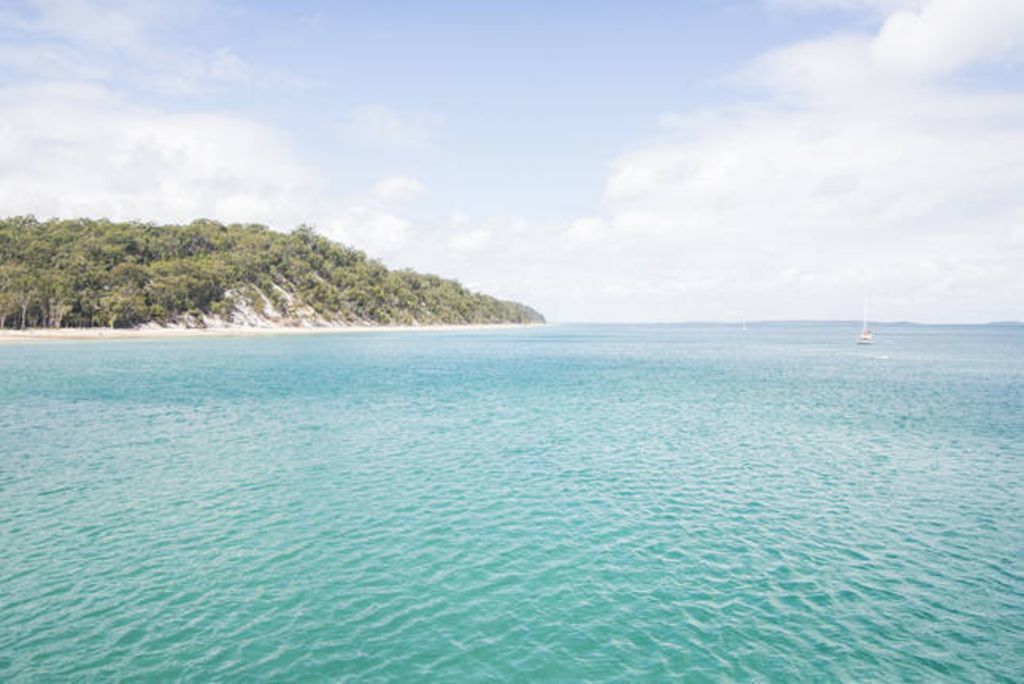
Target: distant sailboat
866, 335
744, 326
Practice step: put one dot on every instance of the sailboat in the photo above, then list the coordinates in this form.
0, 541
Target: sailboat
866, 335
744, 327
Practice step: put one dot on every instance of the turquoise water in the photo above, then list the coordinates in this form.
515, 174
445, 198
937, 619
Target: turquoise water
605, 503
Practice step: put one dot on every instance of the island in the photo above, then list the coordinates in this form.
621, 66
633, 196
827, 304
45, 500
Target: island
88, 274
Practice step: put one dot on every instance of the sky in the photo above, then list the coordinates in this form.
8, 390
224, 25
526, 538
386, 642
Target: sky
601, 161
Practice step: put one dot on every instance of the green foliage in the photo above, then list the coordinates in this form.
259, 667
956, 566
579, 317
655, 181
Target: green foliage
84, 273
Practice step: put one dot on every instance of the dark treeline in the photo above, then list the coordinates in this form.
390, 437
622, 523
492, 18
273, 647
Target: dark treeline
84, 273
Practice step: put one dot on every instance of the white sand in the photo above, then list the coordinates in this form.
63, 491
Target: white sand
155, 332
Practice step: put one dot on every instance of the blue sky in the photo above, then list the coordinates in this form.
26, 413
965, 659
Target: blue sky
602, 161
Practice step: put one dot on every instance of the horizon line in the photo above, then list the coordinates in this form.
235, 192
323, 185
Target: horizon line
775, 321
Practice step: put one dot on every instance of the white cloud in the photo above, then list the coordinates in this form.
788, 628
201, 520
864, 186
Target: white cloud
586, 231
227, 66
80, 150
106, 26
379, 233
50, 61
915, 40
470, 240
123, 41
859, 170
395, 189
381, 126
944, 35
885, 6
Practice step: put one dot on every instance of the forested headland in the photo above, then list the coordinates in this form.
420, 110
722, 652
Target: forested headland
90, 273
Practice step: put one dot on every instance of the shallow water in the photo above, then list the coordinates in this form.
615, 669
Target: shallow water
561, 503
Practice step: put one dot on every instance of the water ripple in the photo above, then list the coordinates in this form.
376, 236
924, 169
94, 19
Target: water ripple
571, 503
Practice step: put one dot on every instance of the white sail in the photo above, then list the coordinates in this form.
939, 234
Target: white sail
866, 336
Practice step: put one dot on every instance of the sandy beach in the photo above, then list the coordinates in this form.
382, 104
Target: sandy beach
156, 332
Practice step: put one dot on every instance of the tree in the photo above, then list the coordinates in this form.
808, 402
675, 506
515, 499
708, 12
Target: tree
7, 307
123, 306
86, 272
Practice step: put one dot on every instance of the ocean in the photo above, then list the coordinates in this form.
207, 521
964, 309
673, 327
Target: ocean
559, 503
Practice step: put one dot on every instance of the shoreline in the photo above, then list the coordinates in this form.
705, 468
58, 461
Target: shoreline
154, 333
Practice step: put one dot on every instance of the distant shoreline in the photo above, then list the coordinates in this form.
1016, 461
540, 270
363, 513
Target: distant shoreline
143, 333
